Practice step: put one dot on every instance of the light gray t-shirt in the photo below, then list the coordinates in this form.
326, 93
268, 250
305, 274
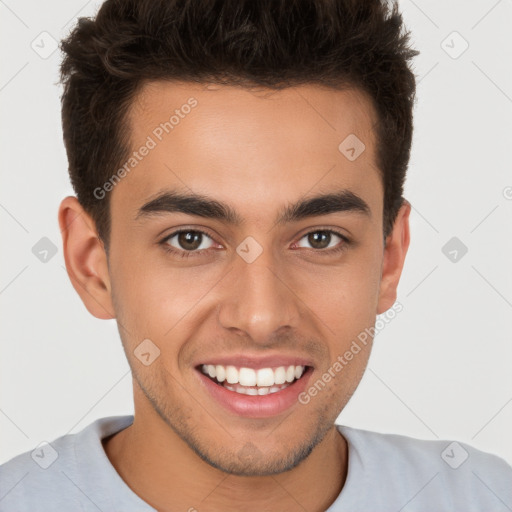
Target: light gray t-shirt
386, 473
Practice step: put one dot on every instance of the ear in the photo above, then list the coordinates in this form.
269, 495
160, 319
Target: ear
395, 250
86, 259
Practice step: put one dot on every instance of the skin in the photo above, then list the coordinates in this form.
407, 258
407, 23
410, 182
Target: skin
256, 151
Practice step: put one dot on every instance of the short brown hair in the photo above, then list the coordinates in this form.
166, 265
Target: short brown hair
270, 43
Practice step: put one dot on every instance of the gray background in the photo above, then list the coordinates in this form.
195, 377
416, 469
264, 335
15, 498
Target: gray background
440, 369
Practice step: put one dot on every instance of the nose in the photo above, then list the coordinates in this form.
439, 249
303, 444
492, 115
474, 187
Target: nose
258, 300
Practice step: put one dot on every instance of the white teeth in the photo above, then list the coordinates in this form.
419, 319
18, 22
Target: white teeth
290, 374
247, 377
237, 388
280, 375
298, 371
220, 373
263, 377
231, 375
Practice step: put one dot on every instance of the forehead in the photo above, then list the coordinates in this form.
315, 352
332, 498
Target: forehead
253, 149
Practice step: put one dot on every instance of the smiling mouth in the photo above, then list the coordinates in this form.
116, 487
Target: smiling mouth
248, 381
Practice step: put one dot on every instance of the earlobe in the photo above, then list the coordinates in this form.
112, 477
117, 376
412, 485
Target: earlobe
395, 251
85, 257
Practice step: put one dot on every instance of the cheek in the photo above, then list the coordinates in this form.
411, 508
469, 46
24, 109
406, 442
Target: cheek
159, 300
345, 297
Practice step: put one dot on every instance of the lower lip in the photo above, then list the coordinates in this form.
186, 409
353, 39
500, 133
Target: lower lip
256, 406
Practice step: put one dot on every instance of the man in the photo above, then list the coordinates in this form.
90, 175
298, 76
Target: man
239, 171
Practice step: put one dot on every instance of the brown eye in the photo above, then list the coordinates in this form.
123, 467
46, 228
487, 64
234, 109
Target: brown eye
323, 239
188, 240
319, 239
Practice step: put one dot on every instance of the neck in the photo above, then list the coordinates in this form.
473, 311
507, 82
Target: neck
166, 473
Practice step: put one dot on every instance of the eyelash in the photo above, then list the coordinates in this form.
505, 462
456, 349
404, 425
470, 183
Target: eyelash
188, 254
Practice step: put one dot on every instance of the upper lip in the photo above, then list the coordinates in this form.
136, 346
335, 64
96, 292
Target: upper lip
246, 361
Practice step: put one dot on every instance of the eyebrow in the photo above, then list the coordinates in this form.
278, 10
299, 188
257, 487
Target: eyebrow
203, 206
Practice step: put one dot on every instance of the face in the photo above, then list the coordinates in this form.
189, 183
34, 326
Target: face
248, 276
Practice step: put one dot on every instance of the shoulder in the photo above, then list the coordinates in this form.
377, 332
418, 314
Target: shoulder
37, 471
52, 474
442, 472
